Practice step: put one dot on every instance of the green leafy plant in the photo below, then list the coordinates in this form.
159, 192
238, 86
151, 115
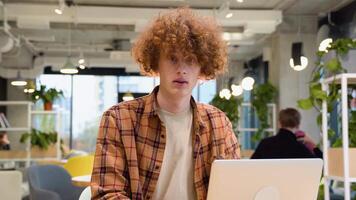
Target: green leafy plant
38, 138
330, 68
46, 95
261, 96
229, 107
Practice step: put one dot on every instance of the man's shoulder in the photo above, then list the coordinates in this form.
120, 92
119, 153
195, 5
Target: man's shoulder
135, 105
207, 109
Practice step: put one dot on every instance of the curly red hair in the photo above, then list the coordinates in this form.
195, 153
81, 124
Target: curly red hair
180, 29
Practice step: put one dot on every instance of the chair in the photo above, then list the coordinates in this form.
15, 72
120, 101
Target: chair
51, 182
86, 194
10, 185
80, 165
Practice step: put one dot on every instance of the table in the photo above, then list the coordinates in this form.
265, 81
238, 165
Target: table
81, 181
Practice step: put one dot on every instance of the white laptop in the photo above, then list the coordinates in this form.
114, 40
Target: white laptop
265, 179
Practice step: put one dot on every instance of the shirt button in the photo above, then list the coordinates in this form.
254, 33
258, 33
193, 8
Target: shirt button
157, 167
162, 136
148, 197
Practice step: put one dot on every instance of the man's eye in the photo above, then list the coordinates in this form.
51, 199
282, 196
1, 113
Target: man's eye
174, 59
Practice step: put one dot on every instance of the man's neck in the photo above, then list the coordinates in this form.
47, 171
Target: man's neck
172, 104
293, 130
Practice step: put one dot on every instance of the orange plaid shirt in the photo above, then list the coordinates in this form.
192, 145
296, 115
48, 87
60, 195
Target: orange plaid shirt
131, 143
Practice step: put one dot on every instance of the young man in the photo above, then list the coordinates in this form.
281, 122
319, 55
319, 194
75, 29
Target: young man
161, 146
4, 141
287, 144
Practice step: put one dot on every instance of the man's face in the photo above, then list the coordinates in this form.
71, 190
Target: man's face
178, 75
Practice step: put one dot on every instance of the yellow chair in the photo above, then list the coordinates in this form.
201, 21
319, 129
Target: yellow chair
80, 165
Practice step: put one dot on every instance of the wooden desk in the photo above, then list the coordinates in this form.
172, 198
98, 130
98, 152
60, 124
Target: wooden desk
81, 181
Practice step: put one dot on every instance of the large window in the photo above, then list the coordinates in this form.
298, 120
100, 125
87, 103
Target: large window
83, 107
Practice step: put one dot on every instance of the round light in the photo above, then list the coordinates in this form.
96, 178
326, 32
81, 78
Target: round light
228, 96
221, 94
249, 88
240, 1
25, 90
325, 44
58, 11
18, 83
247, 82
81, 66
229, 15
69, 71
31, 90
81, 61
37, 97
303, 65
236, 90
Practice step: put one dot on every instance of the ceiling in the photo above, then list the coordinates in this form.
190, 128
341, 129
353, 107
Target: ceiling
104, 30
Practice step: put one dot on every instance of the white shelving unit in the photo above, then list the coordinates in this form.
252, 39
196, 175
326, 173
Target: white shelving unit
30, 114
344, 80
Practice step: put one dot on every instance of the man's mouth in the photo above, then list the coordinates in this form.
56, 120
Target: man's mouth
180, 81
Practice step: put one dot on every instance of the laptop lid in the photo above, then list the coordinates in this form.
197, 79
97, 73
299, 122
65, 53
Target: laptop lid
265, 179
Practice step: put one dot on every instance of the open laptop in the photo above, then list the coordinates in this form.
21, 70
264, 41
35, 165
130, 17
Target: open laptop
265, 179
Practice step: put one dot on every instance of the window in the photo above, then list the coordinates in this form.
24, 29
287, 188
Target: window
92, 95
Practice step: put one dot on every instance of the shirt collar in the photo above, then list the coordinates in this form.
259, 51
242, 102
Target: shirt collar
151, 109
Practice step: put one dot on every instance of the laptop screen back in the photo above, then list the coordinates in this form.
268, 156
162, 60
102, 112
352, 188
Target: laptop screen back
265, 179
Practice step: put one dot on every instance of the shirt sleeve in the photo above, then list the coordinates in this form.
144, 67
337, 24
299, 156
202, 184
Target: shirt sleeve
110, 174
232, 150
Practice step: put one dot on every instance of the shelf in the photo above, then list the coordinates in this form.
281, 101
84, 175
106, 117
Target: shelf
15, 102
341, 178
15, 129
351, 78
43, 112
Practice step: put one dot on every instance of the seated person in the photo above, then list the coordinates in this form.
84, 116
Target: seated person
4, 141
286, 144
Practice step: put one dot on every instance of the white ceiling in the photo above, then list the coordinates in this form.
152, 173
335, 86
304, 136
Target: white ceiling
93, 25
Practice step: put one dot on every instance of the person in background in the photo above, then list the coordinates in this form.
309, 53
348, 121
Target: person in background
4, 141
162, 146
289, 142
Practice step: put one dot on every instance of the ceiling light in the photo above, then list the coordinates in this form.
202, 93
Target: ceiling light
58, 11
303, 63
81, 59
247, 83
81, 66
298, 61
69, 68
240, 1
19, 81
128, 96
225, 93
236, 90
325, 44
229, 15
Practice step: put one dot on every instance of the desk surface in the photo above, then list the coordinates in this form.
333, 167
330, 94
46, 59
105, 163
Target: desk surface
81, 181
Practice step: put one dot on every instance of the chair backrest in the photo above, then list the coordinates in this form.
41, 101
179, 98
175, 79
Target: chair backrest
86, 194
51, 178
10, 185
80, 165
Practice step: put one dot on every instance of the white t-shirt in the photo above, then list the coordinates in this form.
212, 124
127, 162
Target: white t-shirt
176, 179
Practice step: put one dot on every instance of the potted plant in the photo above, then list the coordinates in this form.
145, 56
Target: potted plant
47, 96
262, 95
42, 143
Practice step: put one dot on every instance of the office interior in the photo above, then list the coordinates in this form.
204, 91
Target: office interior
274, 47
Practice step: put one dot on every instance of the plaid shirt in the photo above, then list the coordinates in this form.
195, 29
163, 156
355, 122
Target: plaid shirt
131, 143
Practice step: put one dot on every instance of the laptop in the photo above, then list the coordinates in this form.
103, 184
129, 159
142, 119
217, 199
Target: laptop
265, 179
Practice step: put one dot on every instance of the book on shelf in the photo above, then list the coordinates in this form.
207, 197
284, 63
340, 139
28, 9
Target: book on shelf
4, 123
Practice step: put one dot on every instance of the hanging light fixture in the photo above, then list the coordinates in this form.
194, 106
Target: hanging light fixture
59, 10
325, 44
128, 96
19, 81
248, 80
69, 67
298, 61
236, 90
30, 87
